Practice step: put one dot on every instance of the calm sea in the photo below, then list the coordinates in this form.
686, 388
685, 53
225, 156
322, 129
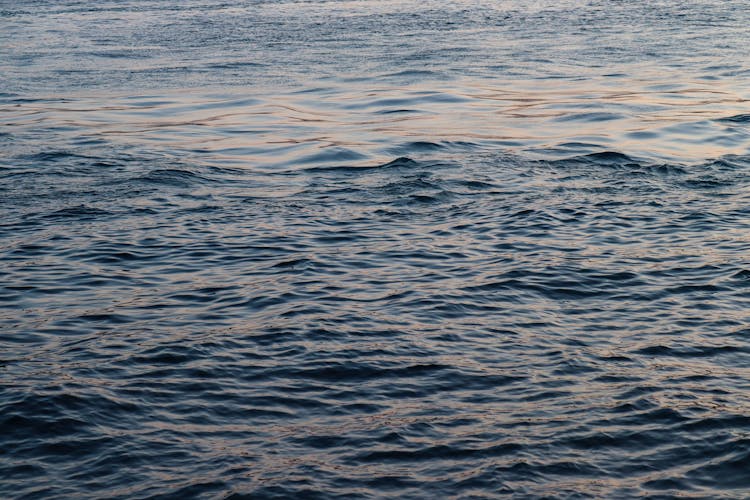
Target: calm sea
374, 249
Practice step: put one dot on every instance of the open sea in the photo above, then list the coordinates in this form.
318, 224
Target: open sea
374, 249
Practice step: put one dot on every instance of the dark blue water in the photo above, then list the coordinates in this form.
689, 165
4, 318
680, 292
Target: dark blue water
360, 249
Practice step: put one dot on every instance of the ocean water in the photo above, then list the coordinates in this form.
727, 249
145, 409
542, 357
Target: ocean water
374, 249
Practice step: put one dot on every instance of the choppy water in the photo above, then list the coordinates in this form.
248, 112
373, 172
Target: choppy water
374, 249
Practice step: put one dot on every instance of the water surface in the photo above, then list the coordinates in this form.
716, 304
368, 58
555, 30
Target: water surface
374, 249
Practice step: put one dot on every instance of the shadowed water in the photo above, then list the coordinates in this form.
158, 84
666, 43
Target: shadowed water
374, 249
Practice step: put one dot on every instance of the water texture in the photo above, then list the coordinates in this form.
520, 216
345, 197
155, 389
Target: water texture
360, 249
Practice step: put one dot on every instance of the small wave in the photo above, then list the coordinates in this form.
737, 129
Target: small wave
411, 72
55, 156
744, 118
590, 117
398, 111
78, 212
401, 162
334, 154
173, 177
235, 65
606, 157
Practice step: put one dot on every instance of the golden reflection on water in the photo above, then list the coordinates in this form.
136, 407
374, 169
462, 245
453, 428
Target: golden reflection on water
358, 124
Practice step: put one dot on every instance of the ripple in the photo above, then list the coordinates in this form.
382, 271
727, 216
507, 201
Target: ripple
384, 250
